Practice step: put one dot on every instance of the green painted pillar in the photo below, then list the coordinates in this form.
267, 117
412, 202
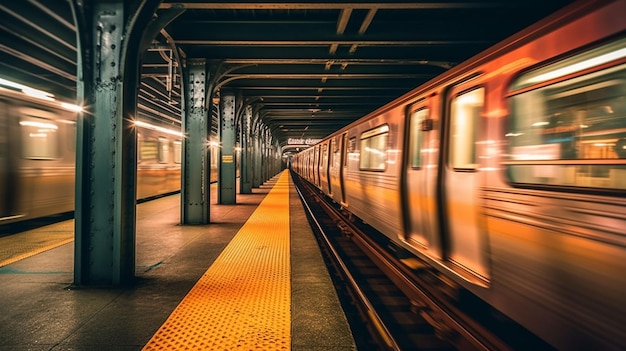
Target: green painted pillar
256, 154
226, 183
266, 164
245, 165
108, 65
196, 169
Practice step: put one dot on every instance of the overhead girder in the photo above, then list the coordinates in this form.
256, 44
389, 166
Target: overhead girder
345, 57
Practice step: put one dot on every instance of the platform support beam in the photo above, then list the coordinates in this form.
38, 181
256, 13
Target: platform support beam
196, 169
226, 189
245, 163
110, 40
260, 165
256, 152
267, 139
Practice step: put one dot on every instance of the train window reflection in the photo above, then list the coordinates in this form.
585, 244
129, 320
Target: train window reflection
589, 59
324, 161
148, 150
164, 150
40, 139
177, 151
572, 132
464, 119
415, 137
373, 147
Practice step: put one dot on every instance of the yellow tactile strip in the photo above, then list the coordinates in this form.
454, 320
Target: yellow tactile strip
242, 302
16, 247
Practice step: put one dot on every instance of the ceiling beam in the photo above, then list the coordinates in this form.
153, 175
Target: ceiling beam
217, 5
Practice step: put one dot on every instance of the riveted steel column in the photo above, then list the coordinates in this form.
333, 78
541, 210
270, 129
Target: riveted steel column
226, 189
273, 156
195, 199
262, 150
277, 157
106, 161
267, 139
256, 153
245, 164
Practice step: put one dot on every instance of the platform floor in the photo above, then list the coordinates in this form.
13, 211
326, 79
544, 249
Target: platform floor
288, 302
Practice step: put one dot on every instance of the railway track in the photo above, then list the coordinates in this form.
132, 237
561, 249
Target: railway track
403, 304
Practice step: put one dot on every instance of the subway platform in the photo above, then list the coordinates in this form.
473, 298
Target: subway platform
253, 279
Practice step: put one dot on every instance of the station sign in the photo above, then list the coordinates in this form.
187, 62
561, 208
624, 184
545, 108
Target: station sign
302, 141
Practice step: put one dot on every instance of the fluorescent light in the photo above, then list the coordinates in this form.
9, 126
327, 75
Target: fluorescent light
40, 94
38, 124
579, 66
71, 107
159, 129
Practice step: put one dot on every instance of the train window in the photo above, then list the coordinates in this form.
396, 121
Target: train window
571, 132
415, 137
351, 150
147, 150
345, 146
464, 119
373, 147
352, 145
178, 151
40, 139
324, 161
164, 151
335, 157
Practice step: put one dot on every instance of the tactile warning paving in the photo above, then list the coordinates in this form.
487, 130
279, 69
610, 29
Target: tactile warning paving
242, 302
17, 247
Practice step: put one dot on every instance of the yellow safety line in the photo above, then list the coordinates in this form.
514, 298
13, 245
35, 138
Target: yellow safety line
34, 252
242, 302
16, 247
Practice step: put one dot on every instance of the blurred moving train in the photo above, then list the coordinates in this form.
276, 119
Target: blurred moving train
508, 175
38, 151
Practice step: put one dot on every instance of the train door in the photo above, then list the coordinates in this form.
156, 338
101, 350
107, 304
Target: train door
325, 166
335, 169
421, 179
461, 180
316, 166
309, 164
343, 160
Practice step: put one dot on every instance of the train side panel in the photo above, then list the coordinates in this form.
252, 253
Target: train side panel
37, 159
40, 160
324, 180
525, 206
159, 162
372, 187
422, 206
337, 167
550, 182
554, 204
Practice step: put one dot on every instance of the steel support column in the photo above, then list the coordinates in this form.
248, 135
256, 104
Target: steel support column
275, 158
262, 154
226, 186
266, 153
108, 64
256, 153
245, 163
195, 199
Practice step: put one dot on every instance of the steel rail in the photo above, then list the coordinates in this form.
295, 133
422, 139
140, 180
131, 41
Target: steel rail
384, 333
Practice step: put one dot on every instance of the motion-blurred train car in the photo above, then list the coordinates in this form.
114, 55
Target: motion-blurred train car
508, 175
38, 151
